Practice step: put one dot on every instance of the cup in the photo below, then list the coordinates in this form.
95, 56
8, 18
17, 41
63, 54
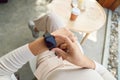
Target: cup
81, 5
74, 14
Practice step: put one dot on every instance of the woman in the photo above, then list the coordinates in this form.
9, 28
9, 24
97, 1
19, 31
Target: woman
73, 65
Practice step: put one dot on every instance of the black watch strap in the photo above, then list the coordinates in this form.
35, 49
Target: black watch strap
49, 40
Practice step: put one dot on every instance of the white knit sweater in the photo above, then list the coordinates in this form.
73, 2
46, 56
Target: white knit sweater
14, 60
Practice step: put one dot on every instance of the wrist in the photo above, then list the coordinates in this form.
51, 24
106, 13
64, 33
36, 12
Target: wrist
49, 40
93, 66
85, 62
38, 46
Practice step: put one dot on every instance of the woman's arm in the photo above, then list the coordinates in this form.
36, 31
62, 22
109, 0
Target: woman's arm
15, 59
71, 52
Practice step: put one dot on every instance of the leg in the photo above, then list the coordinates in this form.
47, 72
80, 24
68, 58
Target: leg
46, 62
50, 21
75, 74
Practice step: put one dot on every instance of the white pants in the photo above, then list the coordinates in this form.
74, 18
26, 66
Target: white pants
50, 67
50, 21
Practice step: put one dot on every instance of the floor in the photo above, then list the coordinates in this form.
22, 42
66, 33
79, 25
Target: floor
14, 31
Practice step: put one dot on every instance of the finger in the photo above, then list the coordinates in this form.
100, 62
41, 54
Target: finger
63, 46
64, 39
60, 52
72, 38
71, 35
58, 39
58, 55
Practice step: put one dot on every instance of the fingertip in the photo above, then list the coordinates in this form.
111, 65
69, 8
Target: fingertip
53, 50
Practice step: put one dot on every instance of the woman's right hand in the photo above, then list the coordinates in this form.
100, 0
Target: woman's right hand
71, 52
62, 32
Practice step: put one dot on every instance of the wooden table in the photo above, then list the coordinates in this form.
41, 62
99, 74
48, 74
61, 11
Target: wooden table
89, 20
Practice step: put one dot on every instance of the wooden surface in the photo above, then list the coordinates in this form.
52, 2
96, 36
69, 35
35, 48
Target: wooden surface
110, 4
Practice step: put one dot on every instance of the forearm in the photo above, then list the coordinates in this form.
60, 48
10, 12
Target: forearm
88, 63
14, 60
38, 46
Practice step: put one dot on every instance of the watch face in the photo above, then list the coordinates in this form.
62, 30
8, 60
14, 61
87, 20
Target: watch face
49, 40
51, 43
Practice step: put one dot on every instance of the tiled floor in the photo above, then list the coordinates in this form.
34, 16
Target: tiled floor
14, 31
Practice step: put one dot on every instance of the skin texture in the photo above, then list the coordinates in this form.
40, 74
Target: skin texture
71, 52
38, 46
67, 48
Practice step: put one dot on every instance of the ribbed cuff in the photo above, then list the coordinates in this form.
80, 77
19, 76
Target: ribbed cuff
27, 54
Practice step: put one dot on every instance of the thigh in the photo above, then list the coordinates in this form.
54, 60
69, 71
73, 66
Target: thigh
41, 23
82, 74
54, 22
49, 21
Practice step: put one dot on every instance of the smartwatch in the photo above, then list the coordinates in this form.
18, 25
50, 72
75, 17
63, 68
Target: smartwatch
49, 40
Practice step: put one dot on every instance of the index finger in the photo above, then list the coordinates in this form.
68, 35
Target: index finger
65, 39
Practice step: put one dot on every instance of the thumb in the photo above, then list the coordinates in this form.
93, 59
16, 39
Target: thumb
60, 52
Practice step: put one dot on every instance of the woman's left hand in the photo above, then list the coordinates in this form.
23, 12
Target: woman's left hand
63, 32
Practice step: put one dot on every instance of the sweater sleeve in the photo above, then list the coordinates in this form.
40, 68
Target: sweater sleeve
14, 60
104, 72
